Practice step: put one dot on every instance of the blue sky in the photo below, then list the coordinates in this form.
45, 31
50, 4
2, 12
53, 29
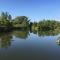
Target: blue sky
34, 9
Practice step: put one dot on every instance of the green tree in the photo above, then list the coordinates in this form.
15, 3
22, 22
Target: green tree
48, 25
21, 21
5, 19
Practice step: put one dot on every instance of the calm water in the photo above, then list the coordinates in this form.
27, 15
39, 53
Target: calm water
25, 45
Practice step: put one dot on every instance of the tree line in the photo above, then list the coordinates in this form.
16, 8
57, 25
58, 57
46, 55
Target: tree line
7, 23
46, 25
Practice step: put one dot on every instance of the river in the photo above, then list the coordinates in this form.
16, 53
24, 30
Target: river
25, 45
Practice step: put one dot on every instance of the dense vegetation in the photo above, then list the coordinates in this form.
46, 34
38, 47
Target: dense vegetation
7, 23
20, 22
46, 25
23, 22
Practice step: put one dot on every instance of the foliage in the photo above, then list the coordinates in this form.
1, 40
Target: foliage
34, 26
21, 21
6, 22
5, 19
48, 25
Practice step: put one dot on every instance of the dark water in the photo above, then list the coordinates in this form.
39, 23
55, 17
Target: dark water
25, 45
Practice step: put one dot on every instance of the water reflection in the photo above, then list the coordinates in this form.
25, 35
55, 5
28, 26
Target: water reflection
35, 47
34, 32
5, 39
21, 34
46, 33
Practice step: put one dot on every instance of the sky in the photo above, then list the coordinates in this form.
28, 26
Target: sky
36, 10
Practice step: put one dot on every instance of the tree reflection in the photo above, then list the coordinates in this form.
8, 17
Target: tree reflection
34, 31
21, 34
5, 40
47, 33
